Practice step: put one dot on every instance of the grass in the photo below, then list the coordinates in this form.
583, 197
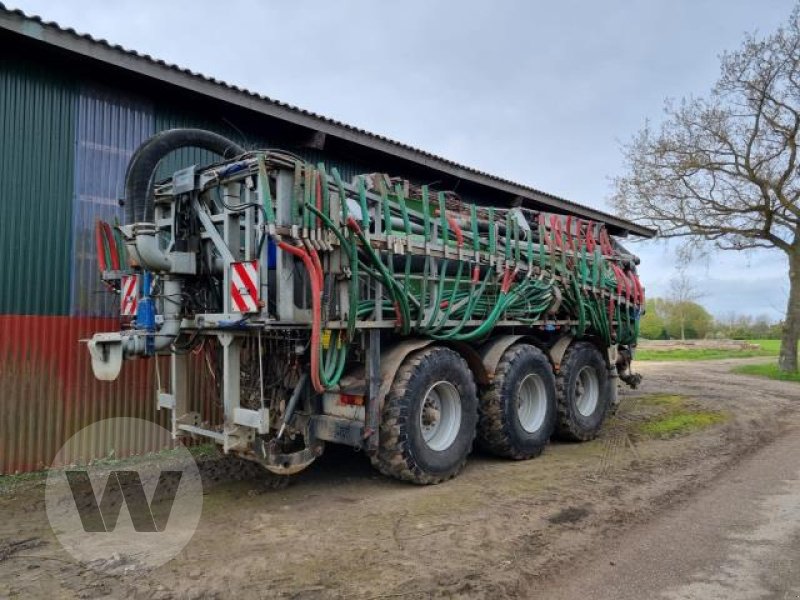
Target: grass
768, 348
768, 370
676, 416
199, 452
679, 423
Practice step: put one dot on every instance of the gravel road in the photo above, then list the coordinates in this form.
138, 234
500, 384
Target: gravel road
737, 540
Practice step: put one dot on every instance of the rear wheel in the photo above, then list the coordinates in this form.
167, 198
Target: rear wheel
582, 388
429, 417
518, 410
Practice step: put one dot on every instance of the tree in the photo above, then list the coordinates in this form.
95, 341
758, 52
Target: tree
665, 318
683, 294
686, 320
652, 327
725, 168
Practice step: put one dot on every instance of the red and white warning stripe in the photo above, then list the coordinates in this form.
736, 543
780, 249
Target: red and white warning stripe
244, 286
129, 294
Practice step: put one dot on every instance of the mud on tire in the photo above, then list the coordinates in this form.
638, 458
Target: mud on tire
518, 410
411, 447
582, 393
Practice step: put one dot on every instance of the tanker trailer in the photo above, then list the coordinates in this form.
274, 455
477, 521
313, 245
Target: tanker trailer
376, 313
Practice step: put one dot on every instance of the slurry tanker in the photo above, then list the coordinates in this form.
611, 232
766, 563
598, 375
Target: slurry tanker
376, 313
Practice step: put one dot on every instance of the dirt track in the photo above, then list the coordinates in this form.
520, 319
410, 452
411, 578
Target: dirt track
501, 529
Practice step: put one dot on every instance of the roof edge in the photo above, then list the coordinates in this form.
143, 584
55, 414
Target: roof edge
85, 45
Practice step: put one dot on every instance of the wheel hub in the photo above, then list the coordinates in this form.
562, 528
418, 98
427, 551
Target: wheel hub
531, 402
440, 415
587, 391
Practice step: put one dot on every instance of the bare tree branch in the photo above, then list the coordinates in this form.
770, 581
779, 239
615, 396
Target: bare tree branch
725, 168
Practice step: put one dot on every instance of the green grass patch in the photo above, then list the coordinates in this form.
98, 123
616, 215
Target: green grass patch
199, 452
672, 415
679, 423
768, 370
767, 348
773, 346
7, 481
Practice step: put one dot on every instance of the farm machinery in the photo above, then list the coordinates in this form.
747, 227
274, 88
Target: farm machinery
372, 312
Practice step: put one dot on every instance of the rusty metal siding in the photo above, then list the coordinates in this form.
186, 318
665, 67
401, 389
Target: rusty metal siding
109, 127
36, 180
48, 392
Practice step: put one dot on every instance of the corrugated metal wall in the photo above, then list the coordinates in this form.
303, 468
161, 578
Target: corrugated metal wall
36, 180
65, 147
108, 128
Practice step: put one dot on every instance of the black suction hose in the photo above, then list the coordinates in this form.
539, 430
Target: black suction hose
141, 173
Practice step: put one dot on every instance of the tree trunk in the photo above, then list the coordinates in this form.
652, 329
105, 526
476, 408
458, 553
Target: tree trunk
787, 361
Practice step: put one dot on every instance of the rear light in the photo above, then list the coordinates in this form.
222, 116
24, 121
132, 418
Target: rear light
351, 399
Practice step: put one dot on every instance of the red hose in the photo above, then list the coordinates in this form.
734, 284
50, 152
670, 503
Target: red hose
605, 243
570, 237
353, 224
316, 309
318, 267
508, 279
398, 314
630, 290
555, 232
112, 245
639, 289
622, 281
98, 241
457, 230
590, 241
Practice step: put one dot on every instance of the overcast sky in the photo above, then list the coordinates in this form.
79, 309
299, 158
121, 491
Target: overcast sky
542, 93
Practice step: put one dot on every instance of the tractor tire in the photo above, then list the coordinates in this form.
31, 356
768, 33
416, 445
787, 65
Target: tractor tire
582, 393
428, 419
518, 410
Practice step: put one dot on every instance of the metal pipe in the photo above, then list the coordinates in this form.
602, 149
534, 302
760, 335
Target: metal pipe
292, 404
151, 257
136, 342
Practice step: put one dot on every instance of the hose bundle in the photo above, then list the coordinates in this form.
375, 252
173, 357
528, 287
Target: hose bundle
566, 270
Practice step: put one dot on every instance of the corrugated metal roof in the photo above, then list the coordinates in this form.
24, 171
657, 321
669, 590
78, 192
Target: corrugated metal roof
69, 39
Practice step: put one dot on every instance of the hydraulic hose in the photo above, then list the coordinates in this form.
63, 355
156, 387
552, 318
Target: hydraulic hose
316, 317
100, 246
141, 173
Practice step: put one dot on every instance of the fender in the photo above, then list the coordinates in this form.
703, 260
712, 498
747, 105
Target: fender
558, 350
492, 351
394, 357
391, 361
